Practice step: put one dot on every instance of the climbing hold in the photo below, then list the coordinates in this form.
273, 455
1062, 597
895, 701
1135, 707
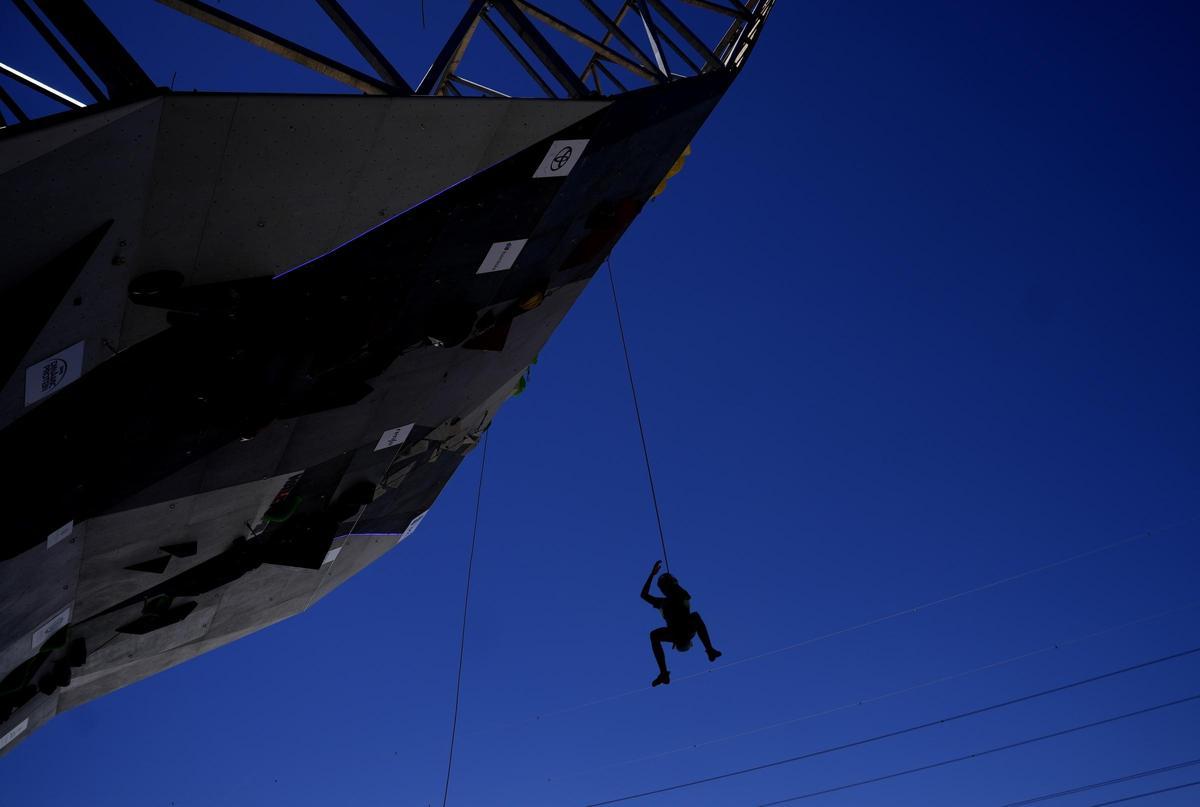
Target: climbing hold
675, 169
152, 285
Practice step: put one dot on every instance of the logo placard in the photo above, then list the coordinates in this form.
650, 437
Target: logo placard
52, 374
561, 159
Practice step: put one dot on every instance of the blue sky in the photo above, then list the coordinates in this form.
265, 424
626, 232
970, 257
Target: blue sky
920, 314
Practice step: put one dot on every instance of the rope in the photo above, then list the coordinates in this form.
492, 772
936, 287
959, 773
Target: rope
462, 641
637, 410
929, 724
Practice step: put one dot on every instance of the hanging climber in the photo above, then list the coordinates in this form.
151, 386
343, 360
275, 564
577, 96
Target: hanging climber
682, 622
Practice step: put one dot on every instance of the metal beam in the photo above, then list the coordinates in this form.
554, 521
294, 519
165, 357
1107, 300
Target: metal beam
614, 31
720, 8
13, 106
448, 59
96, 45
751, 40
283, 47
680, 52
65, 55
363, 44
590, 74
585, 40
745, 38
45, 89
477, 86
724, 48
600, 68
652, 34
520, 57
689, 36
542, 49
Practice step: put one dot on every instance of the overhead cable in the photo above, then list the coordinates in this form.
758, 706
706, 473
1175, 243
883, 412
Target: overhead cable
1106, 783
914, 728
852, 628
995, 750
1147, 794
890, 694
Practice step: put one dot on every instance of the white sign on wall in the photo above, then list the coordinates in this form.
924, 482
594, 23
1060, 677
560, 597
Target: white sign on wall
52, 374
394, 437
561, 158
14, 733
61, 534
502, 256
412, 525
51, 627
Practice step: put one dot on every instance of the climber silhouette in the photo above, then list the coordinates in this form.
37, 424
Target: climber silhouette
682, 623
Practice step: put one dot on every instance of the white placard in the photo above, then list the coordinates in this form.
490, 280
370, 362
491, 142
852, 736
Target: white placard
14, 733
502, 256
52, 374
561, 158
394, 437
331, 555
61, 534
51, 627
412, 525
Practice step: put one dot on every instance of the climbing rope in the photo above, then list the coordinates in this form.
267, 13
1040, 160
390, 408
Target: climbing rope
638, 413
462, 641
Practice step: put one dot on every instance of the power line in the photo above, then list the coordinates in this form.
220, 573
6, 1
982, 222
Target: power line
462, 641
637, 410
943, 600
995, 750
1147, 794
856, 627
918, 727
1106, 783
891, 694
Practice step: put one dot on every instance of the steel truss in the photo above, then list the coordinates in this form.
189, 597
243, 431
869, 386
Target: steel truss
661, 48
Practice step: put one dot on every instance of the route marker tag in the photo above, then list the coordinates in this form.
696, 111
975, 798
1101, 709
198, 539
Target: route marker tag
14, 733
394, 437
50, 627
412, 525
61, 534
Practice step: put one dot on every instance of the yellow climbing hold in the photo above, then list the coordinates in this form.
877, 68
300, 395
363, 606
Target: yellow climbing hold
675, 169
